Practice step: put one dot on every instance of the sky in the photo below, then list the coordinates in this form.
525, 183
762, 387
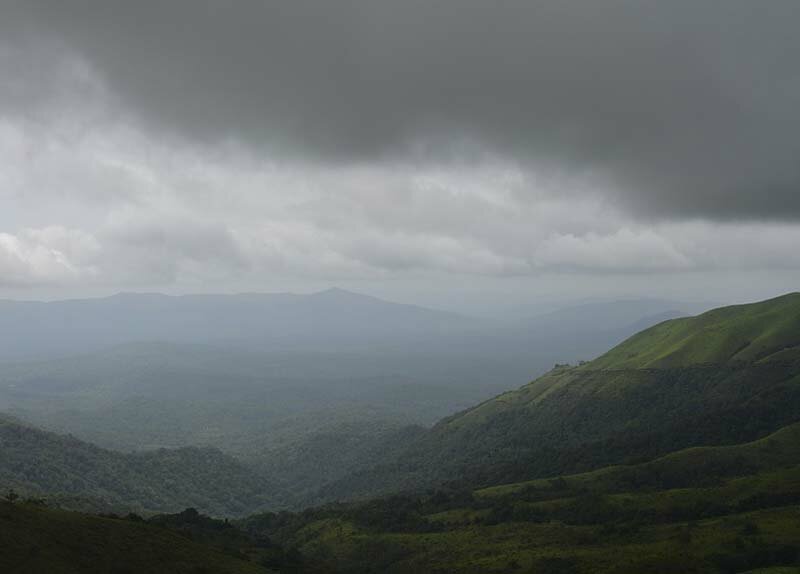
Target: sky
456, 153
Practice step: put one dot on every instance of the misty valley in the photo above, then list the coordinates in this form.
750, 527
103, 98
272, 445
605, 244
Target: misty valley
307, 412
394, 438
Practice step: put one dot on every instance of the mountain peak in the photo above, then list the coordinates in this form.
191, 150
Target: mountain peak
343, 295
336, 292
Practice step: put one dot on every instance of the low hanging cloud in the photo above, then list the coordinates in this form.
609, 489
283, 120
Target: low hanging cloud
193, 143
46, 256
147, 248
624, 250
188, 217
676, 109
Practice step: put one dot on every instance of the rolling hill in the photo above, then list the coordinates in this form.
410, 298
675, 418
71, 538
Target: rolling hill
40, 463
726, 376
712, 510
729, 335
676, 451
35, 539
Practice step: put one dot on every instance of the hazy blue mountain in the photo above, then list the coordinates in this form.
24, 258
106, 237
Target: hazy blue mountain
329, 320
572, 334
608, 315
332, 319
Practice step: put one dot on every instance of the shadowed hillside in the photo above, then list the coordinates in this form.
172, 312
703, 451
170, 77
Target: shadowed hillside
712, 510
36, 540
42, 463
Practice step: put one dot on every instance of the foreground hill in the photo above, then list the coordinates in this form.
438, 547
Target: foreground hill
712, 510
37, 540
42, 463
726, 376
703, 510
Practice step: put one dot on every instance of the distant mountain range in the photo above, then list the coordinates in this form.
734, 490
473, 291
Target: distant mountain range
331, 320
334, 320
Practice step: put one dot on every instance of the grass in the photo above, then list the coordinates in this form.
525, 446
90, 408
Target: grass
739, 333
696, 546
712, 509
35, 540
778, 450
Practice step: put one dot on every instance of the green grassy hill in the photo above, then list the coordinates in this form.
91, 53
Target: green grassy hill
703, 510
726, 376
37, 540
166, 480
741, 333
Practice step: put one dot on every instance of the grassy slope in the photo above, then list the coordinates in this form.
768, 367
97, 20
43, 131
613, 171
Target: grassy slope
720, 509
727, 376
740, 333
36, 540
687, 467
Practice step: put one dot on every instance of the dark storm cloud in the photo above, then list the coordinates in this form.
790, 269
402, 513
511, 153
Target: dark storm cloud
686, 108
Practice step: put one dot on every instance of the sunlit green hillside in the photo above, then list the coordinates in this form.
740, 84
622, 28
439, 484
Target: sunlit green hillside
727, 376
741, 333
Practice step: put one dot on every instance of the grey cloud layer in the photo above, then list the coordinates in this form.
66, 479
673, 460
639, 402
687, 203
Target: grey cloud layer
112, 208
673, 109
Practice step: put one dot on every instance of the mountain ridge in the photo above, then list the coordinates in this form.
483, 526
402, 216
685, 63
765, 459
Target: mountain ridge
734, 333
44, 463
575, 418
332, 319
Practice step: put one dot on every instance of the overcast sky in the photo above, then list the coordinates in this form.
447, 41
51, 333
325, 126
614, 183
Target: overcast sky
448, 152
